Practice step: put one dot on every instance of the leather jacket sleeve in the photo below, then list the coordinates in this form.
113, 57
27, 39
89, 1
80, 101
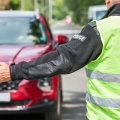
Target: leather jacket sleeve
69, 57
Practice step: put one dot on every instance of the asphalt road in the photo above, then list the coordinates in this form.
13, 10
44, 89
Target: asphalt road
74, 85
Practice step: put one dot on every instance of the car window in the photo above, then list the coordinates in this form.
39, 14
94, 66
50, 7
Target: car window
22, 31
100, 14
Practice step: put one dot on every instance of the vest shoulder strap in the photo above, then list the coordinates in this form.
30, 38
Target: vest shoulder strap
94, 26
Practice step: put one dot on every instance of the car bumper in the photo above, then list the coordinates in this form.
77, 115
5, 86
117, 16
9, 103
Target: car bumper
41, 108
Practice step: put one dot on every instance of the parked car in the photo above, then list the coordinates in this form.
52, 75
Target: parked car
24, 36
96, 12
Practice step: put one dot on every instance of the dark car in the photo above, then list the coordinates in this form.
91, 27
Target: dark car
24, 36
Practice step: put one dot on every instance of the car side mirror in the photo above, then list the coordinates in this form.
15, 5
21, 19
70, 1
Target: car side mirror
60, 39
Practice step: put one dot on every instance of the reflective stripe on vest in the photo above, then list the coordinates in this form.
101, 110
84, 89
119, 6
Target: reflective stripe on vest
106, 102
103, 76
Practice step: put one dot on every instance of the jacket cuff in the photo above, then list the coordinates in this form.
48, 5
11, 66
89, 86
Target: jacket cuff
12, 72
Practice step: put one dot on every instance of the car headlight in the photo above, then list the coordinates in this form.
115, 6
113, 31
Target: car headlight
45, 84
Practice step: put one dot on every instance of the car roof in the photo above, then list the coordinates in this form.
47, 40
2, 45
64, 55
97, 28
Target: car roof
98, 7
19, 14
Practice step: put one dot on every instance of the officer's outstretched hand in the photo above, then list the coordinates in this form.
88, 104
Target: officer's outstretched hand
4, 72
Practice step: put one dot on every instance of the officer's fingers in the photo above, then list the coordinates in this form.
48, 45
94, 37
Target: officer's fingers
3, 65
4, 72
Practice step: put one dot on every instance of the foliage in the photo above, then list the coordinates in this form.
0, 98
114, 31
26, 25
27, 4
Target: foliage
80, 8
14, 4
29, 5
60, 10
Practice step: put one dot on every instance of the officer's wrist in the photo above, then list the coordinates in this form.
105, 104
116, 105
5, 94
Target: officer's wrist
12, 72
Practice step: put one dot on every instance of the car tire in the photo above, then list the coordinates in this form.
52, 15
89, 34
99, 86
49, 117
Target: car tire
56, 114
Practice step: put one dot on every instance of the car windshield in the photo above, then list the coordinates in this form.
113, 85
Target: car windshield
22, 31
100, 14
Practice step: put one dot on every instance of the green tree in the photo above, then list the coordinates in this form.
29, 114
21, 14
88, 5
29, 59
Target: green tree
14, 4
60, 10
29, 5
80, 8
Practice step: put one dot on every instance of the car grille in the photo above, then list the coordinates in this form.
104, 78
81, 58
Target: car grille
10, 85
14, 103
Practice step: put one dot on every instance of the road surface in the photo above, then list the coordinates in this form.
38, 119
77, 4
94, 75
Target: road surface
74, 85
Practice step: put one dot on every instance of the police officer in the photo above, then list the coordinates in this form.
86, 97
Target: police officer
97, 47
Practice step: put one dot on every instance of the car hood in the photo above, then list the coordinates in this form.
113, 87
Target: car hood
17, 53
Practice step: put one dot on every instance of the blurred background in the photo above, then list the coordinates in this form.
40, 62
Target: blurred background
54, 9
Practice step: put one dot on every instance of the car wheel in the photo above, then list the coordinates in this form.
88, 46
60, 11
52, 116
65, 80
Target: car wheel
55, 115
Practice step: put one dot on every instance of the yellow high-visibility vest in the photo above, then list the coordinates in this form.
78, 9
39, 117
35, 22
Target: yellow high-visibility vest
103, 89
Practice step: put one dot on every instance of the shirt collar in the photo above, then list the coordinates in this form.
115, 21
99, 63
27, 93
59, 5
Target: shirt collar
113, 11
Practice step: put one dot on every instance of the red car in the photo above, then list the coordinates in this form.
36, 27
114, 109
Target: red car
24, 36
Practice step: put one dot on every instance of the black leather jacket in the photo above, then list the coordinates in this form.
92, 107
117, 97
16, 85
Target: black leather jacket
82, 49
